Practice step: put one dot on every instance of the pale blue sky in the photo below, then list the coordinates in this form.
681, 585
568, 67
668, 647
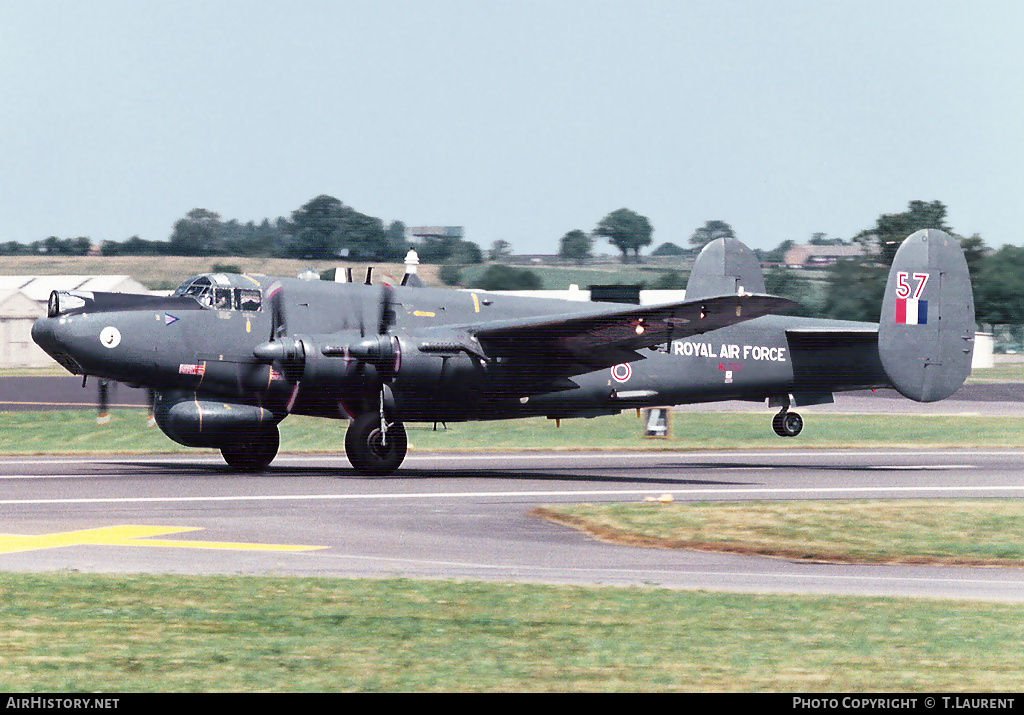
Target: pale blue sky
517, 119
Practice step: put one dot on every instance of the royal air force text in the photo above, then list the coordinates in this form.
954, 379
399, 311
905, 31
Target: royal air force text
725, 351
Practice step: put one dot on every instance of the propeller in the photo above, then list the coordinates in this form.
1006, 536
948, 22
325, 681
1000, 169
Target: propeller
381, 351
377, 356
283, 350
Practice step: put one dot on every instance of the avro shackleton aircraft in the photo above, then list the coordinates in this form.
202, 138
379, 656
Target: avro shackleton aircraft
230, 356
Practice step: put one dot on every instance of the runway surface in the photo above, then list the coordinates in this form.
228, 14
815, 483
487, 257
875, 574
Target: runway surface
467, 516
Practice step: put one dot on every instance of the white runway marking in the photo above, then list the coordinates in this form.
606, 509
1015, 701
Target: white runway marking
786, 491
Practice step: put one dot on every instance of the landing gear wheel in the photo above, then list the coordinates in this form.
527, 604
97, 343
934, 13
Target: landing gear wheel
787, 424
371, 450
252, 452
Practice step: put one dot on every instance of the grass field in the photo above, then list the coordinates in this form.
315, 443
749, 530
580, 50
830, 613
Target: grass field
76, 431
981, 532
561, 277
78, 633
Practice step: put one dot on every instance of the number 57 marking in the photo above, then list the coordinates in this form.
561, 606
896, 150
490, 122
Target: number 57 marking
904, 288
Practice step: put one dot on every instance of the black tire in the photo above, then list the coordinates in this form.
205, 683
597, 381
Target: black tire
787, 424
371, 452
254, 452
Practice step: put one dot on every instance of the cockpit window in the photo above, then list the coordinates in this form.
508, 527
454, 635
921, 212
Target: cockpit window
221, 297
202, 293
248, 300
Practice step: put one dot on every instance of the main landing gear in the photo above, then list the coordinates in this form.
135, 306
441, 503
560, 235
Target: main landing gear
252, 451
787, 424
375, 446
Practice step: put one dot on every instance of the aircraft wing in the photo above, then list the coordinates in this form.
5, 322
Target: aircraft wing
591, 341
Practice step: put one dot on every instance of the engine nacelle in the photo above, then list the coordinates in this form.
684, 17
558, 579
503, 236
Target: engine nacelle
203, 422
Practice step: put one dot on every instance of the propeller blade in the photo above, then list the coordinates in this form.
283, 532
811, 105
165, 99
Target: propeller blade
278, 324
103, 416
387, 311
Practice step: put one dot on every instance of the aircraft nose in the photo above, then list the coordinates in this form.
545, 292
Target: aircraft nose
52, 335
44, 333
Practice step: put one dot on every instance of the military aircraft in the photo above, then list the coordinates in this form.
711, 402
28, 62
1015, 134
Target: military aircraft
230, 356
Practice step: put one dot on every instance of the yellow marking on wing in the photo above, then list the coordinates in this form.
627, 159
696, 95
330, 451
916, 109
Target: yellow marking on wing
423, 314
476, 303
128, 535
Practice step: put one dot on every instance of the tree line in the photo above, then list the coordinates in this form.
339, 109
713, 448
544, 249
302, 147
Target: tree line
325, 228
852, 288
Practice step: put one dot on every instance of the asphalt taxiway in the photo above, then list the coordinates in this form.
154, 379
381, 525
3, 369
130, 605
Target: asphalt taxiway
467, 516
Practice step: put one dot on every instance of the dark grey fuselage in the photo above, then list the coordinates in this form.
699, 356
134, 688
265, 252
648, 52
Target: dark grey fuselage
178, 346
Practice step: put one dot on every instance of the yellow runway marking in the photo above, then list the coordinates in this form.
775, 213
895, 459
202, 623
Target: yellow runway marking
127, 535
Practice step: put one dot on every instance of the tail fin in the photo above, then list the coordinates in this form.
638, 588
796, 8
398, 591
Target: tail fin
926, 332
724, 267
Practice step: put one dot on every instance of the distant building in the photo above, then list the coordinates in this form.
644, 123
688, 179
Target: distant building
812, 256
419, 233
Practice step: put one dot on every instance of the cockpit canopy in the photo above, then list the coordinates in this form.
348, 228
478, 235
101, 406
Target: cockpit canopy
218, 291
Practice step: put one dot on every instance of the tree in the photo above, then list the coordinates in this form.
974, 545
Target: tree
775, 255
441, 249
499, 249
576, 245
627, 231
787, 283
710, 231
323, 228
502, 277
200, 233
669, 249
890, 229
999, 287
316, 228
854, 291
670, 280
449, 274
395, 243
134, 246
975, 251
820, 238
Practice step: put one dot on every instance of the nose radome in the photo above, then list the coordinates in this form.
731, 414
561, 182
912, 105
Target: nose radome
50, 335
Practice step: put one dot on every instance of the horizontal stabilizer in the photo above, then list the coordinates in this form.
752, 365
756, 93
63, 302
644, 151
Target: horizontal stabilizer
926, 331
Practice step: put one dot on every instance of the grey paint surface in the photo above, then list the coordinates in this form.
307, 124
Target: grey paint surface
468, 516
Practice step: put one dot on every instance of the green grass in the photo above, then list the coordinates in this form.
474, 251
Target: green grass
1000, 372
77, 632
560, 278
74, 431
977, 532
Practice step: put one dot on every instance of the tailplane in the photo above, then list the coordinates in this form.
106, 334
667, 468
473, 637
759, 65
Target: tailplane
724, 267
926, 331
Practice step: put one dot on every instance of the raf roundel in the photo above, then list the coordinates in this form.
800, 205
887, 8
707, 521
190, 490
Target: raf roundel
110, 337
622, 372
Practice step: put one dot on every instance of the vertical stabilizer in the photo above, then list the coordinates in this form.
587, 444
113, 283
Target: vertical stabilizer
724, 267
926, 330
